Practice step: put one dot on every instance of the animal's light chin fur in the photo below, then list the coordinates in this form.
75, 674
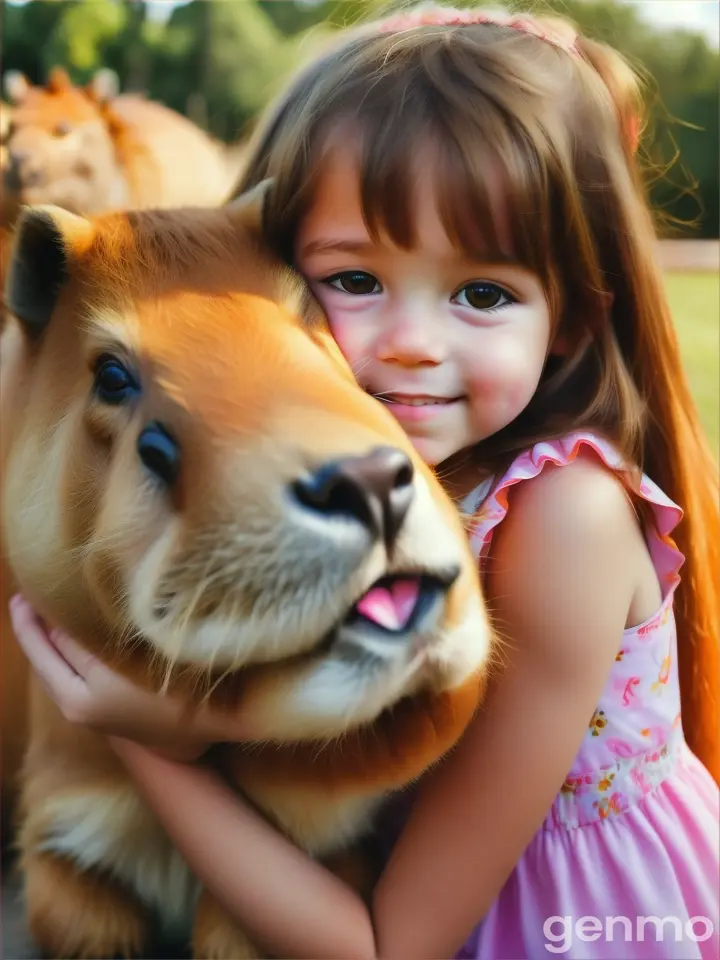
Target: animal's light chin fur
334, 696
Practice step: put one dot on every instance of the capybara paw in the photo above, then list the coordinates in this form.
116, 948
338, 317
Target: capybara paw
216, 935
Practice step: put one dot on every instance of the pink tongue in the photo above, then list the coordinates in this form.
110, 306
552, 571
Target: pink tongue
390, 607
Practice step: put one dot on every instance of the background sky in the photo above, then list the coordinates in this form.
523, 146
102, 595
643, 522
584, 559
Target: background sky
701, 15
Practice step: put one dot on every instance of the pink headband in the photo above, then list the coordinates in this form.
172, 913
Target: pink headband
447, 17
436, 16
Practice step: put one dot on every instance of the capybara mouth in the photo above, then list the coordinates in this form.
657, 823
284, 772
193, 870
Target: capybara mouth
398, 603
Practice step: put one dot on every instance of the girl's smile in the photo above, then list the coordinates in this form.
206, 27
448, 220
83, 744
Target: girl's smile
409, 408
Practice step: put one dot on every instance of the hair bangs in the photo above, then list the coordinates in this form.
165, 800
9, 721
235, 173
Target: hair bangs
488, 171
493, 204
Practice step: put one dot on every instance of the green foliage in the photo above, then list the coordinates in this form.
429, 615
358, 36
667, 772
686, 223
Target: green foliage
291, 18
221, 61
682, 80
245, 58
81, 36
695, 304
294, 16
22, 28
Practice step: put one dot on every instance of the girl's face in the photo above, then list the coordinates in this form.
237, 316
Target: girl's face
454, 347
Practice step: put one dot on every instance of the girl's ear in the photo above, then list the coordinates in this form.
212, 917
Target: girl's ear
607, 299
559, 345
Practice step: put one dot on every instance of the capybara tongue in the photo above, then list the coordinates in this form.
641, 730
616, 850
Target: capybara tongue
390, 606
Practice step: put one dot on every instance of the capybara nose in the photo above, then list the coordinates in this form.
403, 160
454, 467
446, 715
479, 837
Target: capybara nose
376, 489
18, 157
21, 171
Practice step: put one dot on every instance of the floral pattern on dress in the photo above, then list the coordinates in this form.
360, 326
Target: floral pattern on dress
634, 734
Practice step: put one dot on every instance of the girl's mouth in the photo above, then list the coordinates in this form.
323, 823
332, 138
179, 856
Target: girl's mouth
416, 399
415, 407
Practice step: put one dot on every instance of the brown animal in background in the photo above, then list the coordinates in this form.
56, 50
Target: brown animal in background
90, 150
5, 121
5, 118
13, 666
194, 485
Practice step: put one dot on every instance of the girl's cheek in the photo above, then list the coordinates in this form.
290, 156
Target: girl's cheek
353, 340
505, 377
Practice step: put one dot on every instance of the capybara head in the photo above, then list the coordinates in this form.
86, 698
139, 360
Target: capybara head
5, 120
190, 469
60, 145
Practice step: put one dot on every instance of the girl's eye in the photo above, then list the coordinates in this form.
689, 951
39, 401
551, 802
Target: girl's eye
355, 282
483, 296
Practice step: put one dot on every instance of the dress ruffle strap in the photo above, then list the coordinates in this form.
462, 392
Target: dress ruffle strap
666, 556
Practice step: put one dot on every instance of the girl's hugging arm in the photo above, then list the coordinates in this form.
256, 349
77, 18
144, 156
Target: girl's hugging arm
563, 570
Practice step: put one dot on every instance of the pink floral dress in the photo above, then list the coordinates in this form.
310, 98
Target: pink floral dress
627, 862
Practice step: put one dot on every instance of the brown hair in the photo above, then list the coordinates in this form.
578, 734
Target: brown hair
561, 128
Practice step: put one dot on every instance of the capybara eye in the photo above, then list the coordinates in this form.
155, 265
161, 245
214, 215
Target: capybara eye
159, 452
113, 382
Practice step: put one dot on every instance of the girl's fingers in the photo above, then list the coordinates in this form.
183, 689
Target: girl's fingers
78, 657
69, 649
22, 612
47, 662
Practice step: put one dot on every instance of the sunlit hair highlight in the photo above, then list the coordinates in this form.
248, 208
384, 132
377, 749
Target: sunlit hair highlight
533, 154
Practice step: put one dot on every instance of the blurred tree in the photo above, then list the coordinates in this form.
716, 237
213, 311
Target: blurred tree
25, 30
682, 80
232, 52
136, 50
82, 34
291, 17
686, 131
294, 16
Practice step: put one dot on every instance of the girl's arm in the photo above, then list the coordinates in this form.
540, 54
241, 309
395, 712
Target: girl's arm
564, 568
285, 901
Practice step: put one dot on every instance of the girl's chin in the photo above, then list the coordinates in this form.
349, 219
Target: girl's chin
436, 451
458, 470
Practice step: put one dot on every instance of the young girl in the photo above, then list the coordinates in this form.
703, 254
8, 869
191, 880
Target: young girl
463, 195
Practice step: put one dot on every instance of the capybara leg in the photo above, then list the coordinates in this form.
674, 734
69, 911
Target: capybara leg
217, 936
81, 916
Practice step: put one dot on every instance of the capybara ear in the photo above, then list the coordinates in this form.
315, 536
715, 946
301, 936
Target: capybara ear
58, 80
248, 208
45, 239
15, 86
104, 85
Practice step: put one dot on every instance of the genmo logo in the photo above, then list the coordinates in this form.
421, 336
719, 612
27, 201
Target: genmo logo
561, 932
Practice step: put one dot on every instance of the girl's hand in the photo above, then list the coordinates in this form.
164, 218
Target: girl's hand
90, 694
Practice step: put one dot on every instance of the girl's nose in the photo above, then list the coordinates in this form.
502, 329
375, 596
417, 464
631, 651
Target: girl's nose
411, 338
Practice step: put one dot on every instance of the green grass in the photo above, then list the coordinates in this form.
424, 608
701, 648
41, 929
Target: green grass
695, 304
